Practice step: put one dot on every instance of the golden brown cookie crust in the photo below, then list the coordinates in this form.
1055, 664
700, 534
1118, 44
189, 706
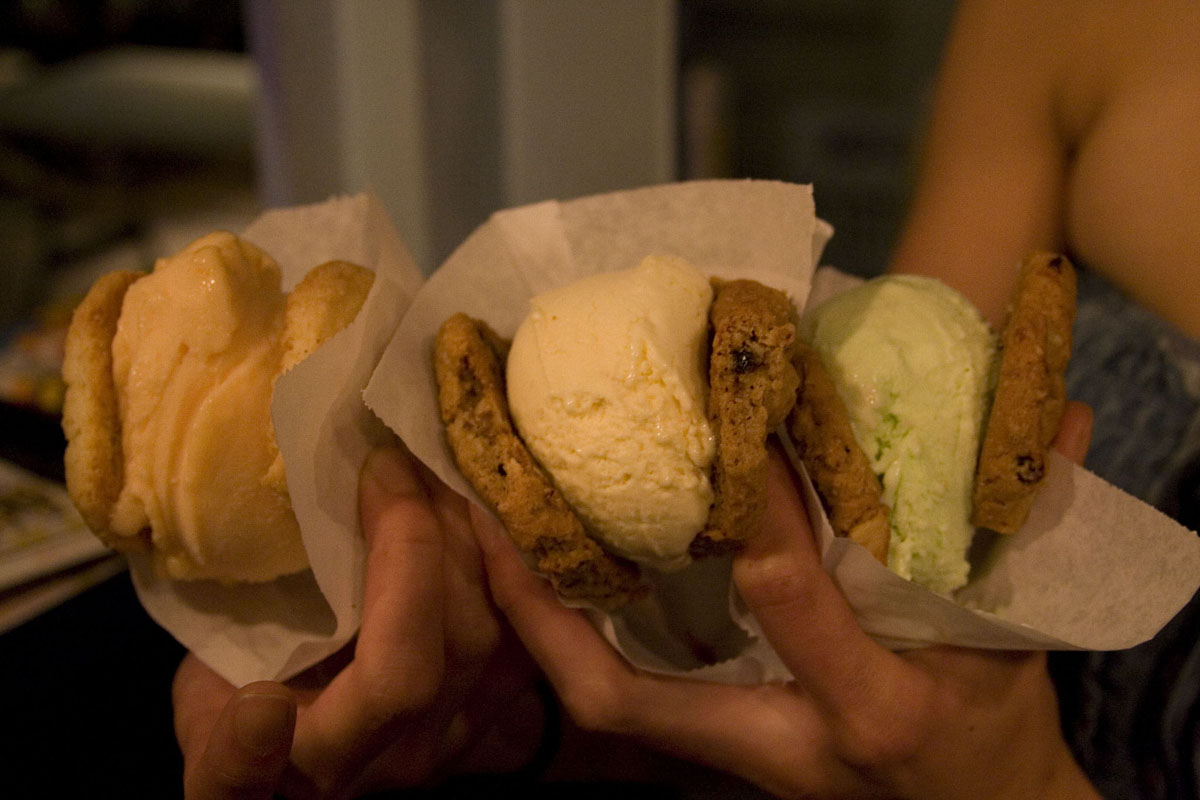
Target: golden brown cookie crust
1030, 395
752, 387
94, 462
325, 301
840, 471
469, 367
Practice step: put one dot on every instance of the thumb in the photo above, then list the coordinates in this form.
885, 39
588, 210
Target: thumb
247, 749
1074, 431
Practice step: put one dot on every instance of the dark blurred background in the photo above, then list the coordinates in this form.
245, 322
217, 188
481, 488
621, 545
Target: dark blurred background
827, 92
129, 127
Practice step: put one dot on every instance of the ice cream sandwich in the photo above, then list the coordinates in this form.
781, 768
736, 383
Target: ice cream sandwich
171, 449
918, 425
636, 406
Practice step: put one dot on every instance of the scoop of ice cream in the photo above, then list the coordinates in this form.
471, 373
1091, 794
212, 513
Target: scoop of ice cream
913, 359
607, 387
197, 349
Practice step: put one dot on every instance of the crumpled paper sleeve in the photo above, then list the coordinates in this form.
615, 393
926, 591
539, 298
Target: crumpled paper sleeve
1051, 586
275, 630
1094, 569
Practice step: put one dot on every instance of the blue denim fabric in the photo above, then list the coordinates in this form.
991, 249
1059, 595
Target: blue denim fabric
1133, 717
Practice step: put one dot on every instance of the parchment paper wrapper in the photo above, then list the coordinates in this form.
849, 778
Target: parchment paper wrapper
1093, 569
274, 630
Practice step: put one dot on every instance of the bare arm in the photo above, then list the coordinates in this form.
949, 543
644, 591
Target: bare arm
991, 182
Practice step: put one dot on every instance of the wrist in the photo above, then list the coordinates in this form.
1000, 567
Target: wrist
1060, 778
1068, 781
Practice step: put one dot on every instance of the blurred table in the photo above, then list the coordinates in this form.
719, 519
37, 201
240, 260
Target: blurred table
85, 679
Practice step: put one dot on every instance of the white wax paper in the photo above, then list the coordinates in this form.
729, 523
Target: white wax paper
275, 630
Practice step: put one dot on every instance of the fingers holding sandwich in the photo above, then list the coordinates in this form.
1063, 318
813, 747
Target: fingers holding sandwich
857, 720
803, 614
1074, 433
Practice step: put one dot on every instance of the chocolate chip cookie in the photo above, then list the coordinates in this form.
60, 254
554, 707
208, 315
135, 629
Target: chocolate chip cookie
752, 387
840, 471
1030, 395
469, 367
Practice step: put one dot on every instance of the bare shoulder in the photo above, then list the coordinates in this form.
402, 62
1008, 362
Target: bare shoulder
990, 182
1130, 113
1065, 126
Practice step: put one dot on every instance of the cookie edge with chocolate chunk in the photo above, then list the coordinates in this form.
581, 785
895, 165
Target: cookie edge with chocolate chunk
468, 366
1030, 394
752, 387
820, 429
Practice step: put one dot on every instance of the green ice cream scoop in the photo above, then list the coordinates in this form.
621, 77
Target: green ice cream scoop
913, 361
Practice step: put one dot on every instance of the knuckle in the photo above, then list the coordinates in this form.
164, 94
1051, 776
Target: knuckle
773, 581
416, 531
476, 644
596, 703
888, 734
876, 748
400, 689
473, 631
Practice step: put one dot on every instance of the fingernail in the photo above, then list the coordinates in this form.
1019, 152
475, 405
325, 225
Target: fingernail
1083, 436
263, 723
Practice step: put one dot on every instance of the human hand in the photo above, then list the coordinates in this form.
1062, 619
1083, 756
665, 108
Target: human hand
399, 706
856, 721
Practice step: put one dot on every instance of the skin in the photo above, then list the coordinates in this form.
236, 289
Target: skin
857, 721
1065, 126
404, 703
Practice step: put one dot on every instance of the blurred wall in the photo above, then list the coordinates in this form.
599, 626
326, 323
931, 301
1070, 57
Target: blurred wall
451, 110
828, 92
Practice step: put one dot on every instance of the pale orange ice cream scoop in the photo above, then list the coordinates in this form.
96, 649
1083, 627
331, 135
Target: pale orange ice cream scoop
195, 356
195, 352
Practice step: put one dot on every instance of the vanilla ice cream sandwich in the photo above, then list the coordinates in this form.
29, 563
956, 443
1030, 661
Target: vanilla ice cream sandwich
171, 449
636, 403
